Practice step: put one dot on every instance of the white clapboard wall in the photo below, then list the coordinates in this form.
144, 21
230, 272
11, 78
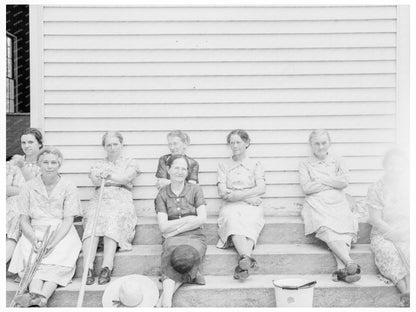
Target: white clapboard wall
278, 72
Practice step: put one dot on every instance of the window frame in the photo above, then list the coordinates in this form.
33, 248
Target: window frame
14, 108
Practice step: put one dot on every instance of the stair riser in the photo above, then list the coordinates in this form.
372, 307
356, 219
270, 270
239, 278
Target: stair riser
224, 264
285, 233
248, 297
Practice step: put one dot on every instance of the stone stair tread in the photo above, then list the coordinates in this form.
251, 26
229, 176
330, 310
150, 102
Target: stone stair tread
222, 281
261, 249
149, 220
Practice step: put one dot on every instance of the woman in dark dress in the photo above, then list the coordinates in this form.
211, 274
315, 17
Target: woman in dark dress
180, 208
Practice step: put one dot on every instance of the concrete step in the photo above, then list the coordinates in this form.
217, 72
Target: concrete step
277, 230
256, 291
272, 259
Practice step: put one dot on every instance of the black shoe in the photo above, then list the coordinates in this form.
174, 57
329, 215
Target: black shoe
90, 277
246, 262
105, 276
239, 273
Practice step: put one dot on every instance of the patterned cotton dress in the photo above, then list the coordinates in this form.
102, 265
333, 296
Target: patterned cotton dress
177, 207
45, 210
392, 259
14, 177
326, 210
117, 217
239, 218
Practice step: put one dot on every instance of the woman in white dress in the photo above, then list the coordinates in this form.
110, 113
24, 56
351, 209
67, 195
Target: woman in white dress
48, 200
326, 211
240, 184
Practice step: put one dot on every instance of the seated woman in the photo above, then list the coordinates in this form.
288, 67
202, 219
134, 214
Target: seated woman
388, 206
241, 219
19, 170
326, 211
48, 200
180, 209
178, 141
117, 218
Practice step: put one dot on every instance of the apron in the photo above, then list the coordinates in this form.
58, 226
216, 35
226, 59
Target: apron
64, 254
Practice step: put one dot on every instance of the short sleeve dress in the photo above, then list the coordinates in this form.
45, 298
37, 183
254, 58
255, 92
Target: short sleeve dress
326, 210
239, 218
117, 218
162, 169
49, 210
176, 207
14, 177
392, 259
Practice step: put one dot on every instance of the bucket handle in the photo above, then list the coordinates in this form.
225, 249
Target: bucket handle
307, 285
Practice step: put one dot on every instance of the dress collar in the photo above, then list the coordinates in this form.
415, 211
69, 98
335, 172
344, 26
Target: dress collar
39, 186
245, 163
171, 194
329, 159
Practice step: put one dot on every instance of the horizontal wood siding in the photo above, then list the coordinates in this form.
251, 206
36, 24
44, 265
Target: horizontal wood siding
278, 72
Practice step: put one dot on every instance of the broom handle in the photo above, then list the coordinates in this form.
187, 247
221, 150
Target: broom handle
94, 225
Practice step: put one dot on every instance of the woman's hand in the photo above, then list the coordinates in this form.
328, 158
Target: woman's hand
233, 196
105, 173
18, 160
254, 201
37, 245
29, 172
170, 234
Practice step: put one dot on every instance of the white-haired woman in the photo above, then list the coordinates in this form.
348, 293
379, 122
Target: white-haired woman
388, 206
117, 218
48, 200
326, 210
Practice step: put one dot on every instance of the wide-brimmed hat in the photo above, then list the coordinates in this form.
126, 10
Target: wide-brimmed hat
133, 290
183, 263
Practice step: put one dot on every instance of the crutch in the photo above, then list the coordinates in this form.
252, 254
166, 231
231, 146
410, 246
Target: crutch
94, 225
32, 267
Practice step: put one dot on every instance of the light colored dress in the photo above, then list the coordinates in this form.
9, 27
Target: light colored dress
117, 217
239, 218
14, 177
326, 210
44, 210
392, 259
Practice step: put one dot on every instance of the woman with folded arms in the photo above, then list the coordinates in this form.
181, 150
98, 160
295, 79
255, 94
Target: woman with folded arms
326, 211
241, 182
117, 217
180, 208
388, 206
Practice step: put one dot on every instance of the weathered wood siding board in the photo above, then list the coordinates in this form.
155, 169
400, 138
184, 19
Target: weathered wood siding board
277, 71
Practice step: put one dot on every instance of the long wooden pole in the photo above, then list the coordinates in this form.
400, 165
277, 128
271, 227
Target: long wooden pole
87, 262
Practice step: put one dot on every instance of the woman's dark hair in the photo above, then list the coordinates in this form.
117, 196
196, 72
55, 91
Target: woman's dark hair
177, 156
241, 133
36, 133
